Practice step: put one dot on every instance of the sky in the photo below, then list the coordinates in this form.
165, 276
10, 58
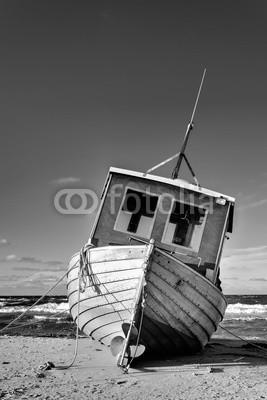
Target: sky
86, 85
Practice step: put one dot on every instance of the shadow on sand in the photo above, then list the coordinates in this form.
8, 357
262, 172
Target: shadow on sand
214, 358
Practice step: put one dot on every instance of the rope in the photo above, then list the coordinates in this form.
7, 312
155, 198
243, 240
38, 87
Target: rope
33, 322
77, 327
162, 163
33, 305
244, 340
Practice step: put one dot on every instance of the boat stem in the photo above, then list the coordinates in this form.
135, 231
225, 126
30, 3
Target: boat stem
149, 250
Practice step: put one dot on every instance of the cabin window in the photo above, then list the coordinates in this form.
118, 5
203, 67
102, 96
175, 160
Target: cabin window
185, 225
137, 213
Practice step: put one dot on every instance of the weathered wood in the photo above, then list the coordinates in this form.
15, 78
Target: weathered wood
105, 233
182, 308
198, 282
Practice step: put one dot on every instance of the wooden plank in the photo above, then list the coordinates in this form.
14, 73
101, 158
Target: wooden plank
188, 291
200, 283
177, 306
175, 316
167, 336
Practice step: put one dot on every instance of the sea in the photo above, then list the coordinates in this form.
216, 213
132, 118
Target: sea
245, 317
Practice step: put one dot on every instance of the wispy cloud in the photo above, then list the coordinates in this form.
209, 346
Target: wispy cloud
239, 267
25, 268
232, 278
37, 281
258, 279
252, 249
38, 267
63, 181
30, 260
246, 250
14, 257
4, 242
10, 258
254, 204
51, 264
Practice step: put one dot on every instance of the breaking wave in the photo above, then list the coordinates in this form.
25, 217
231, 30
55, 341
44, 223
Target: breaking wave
246, 312
48, 308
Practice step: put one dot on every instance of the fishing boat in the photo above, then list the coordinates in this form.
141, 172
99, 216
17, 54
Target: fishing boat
147, 281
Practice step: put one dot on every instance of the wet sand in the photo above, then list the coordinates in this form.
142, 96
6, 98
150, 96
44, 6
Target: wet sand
223, 370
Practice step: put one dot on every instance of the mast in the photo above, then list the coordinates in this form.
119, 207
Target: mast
190, 126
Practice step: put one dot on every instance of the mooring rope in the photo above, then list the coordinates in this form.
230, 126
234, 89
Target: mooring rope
35, 304
77, 326
34, 322
38, 301
244, 340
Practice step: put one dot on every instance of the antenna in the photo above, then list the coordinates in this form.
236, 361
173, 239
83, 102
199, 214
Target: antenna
189, 128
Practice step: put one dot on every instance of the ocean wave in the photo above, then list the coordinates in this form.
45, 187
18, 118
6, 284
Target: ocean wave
244, 318
50, 308
50, 317
240, 308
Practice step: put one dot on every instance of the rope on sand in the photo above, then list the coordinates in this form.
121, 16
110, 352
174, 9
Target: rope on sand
51, 365
77, 327
244, 340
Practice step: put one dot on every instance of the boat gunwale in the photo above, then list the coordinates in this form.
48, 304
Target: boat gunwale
155, 249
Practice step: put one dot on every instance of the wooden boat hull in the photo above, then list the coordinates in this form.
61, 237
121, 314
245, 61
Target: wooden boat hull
182, 308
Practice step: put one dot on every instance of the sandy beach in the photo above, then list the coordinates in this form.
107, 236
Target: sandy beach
223, 370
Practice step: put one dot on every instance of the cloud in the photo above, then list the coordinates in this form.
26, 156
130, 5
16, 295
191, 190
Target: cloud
4, 243
252, 205
259, 279
252, 249
51, 264
25, 268
36, 283
10, 258
31, 260
231, 279
63, 181
247, 253
15, 258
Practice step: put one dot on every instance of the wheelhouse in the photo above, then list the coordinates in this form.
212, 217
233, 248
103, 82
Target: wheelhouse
186, 220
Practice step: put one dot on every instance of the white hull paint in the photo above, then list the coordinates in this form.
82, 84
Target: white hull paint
182, 308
